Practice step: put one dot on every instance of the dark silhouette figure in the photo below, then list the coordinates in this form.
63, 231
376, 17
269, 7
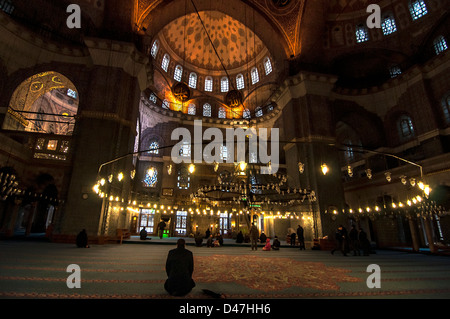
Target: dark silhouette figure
240, 238
276, 243
143, 234
82, 239
161, 227
293, 235
364, 242
340, 236
301, 237
354, 241
179, 269
198, 239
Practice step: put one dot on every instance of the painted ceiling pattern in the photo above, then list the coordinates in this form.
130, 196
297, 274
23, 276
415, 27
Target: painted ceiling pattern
343, 6
236, 44
286, 15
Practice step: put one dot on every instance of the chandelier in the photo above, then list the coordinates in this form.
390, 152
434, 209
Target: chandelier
247, 187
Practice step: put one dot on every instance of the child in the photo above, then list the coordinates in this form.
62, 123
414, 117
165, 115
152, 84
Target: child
267, 246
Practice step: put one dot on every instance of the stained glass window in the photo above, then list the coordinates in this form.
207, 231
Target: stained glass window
222, 113
154, 148
247, 115
153, 98
192, 109
193, 80
258, 111
208, 84
207, 110
417, 8
183, 178
388, 25
395, 71
165, 104
255, 75
267, 66
406, 128
362, 34
223, 152
224, 85
154, 50
240, 82
180, 226
440, 44
151, 177
178, 73
72, 93
165, 62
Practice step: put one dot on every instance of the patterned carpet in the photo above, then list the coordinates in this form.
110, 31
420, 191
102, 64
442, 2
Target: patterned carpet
38, 270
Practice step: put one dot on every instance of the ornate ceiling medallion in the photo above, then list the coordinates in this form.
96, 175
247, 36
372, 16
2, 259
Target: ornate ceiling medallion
233, 98
181, 92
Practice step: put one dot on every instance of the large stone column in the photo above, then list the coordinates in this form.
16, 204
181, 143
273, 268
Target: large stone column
105, 130
309, 129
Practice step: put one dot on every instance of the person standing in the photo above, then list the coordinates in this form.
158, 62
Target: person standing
364, 242
254, 235
161, 227
354, 241
179, 269
301, 238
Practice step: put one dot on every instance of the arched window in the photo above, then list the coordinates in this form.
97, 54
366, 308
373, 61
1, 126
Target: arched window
208, 84
207, 110
192, 109
165, 62
223, 152
151, 177
155, 48
193, 80
362, 33
153, 148
405, 127
388, 25
395, 71
247, 115
178, 73
165, 105
267, 65
7, 6
440, 44
184, 178
153, 98
417, 9
255, 75
222, 113
446, 108
45, 103
240, 82
258, 111
224, 85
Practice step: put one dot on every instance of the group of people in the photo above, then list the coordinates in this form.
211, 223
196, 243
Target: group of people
355, 241
211, 241
300, 237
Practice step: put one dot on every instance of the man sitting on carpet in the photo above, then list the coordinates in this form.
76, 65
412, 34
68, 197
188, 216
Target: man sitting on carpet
179, 269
